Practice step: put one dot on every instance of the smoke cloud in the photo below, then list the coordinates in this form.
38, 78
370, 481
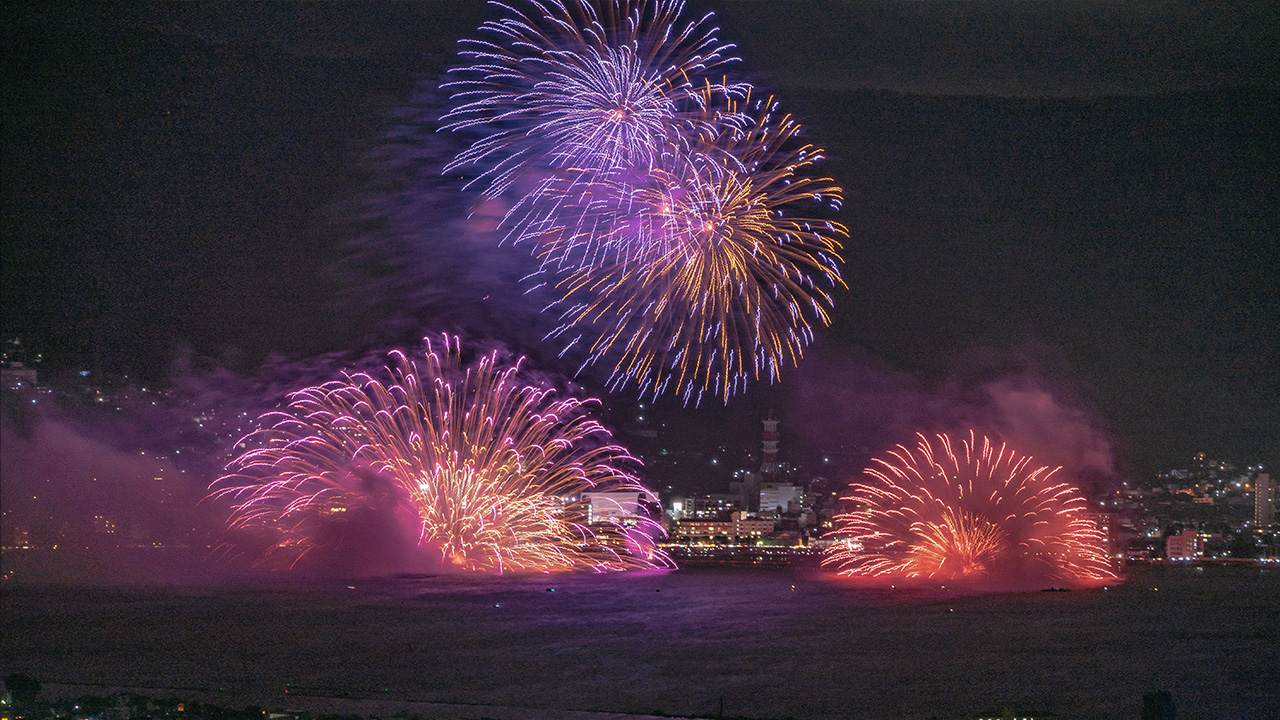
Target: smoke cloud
97, 498
427, 254
849, 400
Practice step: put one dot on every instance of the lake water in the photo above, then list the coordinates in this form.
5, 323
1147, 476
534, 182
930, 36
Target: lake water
766, 644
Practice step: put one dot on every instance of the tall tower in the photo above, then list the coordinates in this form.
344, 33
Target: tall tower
1264, 500
769, 461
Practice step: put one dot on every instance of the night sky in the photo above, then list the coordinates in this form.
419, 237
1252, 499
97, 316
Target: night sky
1086, 192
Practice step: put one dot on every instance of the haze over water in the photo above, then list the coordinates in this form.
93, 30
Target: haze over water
771, 644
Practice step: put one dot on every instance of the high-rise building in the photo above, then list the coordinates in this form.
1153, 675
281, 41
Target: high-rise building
769, 459
747, 489
1106, 526
1264, 500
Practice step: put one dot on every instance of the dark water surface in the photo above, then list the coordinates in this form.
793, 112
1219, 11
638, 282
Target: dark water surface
771, 644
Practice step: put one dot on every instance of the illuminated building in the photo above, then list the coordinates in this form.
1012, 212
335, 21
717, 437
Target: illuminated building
747, 490
736, 528
1186, 545
104, 525
19, 537
776, 497
1264, 500
1103, 521
1011, 714
711, 507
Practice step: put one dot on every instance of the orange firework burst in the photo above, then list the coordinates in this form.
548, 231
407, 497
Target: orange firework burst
970, 509
493, 470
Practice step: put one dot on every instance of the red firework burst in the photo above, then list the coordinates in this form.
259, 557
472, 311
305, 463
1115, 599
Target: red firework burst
946, 510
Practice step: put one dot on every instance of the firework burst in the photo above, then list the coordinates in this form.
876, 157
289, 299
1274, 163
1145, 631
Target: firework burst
946, 510
710, 276
668, 210
493, 471
579, 87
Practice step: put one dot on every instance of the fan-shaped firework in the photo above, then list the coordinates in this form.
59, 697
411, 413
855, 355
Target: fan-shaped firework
492, 470
570, 85
969, 509
712, 276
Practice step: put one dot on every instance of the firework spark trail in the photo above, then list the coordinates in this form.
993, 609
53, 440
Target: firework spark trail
667, 209
580, 218
946, 510
482, 461
719, 289
578, 86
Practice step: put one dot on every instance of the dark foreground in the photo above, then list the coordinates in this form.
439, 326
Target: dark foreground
768, 644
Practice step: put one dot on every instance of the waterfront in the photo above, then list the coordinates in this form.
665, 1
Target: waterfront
772, 644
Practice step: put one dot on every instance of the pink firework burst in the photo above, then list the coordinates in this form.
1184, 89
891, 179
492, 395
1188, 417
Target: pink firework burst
495, 474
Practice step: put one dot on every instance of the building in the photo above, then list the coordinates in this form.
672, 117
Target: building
613, 507
714, 506
738, 527
1106, 526
778, 497
747, 488
1186, 545
1264, 500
